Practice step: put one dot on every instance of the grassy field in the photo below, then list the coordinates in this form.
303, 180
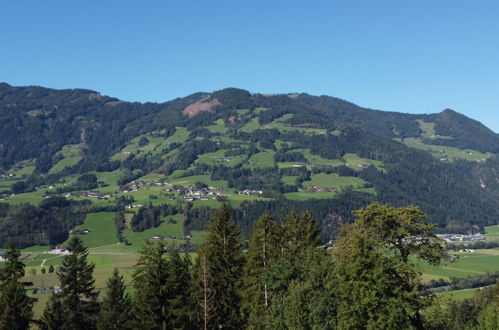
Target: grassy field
218, 127
191, 180
303, 195
102, 229
443, 152
469, 264
71, 156
492, 232
334, 181
34, 198
214, 158
261, 159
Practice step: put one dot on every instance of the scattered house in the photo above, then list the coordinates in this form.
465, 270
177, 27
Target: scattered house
188, 236
3, 256
363, 165
313, 188
59, 249
80, 231
223, 160
56, 289
299, 165
91, 194
157, 237
250, 192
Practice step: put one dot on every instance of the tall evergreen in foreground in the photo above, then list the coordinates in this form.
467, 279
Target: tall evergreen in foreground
78, 296
15, 306
53, 317
162, 283
116, 306
219, 273
263, 249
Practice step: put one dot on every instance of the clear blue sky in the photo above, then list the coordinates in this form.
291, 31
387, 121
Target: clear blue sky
409, 56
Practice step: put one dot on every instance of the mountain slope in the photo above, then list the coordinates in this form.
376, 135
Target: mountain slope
265, 151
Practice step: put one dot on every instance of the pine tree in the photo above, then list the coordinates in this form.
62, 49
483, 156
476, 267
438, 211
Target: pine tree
116, 306
53, 317
262, 251
16, 308
221, 255
78, 296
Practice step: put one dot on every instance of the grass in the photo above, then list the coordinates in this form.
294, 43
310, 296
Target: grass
303, 195
71, 156
291, 180
469, 264
191, 180
155, 145
492, 232
212, 158
23, 168
316, 159
429, 130
333, 181
165, 229
444, 152
102, 229
354, 160
34, 197
218, 127
261, 159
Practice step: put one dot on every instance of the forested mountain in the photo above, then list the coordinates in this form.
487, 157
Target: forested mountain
274, 152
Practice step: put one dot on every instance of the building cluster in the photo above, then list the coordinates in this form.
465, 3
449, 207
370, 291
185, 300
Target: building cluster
248, 192
193, 193
313, 188
453, 238
95, 194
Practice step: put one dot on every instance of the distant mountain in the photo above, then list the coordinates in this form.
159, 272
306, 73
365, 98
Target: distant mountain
286, 151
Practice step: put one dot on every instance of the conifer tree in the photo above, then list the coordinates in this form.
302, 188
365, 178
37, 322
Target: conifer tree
220, 262
162, 283
53, 317
78, 296
149, 278
15, 305
299, 232
262, 251
116, 306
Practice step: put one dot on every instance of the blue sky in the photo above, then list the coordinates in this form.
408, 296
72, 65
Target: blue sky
408, 56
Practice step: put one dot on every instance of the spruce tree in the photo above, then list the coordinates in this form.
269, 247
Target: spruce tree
220, 260
162, 283
149, 279
53, 317
300, 231
15, 305
262, 251
116, 305
78, 296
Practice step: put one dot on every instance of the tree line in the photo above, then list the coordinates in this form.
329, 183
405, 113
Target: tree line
280, 279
